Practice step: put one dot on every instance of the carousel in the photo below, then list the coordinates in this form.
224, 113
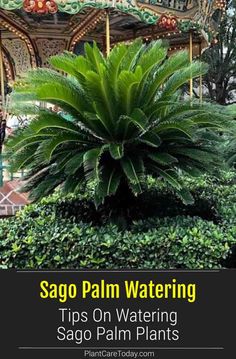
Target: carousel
33, 30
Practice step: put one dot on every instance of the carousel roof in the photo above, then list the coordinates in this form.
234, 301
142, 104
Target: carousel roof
185, 14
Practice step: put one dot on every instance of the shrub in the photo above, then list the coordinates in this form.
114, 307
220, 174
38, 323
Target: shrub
39, 238
45, 242
221, 192
214, 199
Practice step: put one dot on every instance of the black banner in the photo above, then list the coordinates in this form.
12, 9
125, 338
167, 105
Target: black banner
118, 314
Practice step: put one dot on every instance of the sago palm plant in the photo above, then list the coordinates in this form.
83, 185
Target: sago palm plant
125, 119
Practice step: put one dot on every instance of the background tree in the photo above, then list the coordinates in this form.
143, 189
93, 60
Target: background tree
220, 81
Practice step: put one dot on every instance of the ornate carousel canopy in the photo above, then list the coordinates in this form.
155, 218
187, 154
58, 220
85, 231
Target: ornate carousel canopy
181, 14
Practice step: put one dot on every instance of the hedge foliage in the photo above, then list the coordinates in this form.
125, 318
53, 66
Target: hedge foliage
39, 238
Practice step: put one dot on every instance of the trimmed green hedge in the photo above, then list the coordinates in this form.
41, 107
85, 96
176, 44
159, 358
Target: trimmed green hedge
38, 238
181, 242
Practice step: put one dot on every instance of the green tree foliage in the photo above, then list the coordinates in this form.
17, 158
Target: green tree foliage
220, 80
229, 145
126, 121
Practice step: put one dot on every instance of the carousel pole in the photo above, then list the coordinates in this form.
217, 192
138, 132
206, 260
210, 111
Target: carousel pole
191, 60
2, 74
2, 114
108, 39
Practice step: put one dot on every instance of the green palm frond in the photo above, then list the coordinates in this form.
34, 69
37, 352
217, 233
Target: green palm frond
91, 162
116, 150
162, 158
175, 63
133, 168
182, 76
102, 100
109, 182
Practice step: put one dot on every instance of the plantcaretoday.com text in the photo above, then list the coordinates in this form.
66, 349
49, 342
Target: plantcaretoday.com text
118, 354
